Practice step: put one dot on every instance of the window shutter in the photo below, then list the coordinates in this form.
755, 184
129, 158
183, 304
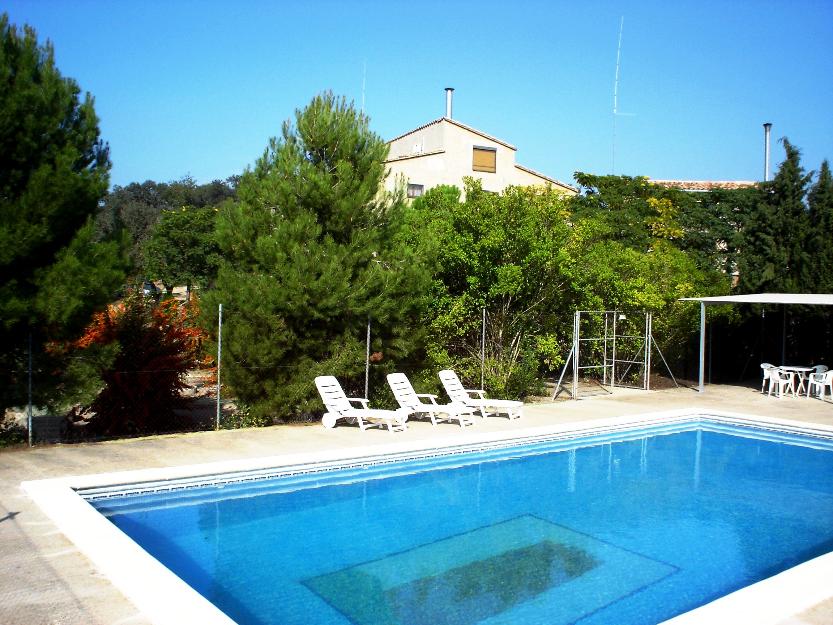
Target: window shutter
484, 159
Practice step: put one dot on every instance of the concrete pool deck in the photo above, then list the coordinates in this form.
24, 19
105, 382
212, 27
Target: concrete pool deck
45, 579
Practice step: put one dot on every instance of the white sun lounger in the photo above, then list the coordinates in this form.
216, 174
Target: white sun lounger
339, 406
411, 401
476, 398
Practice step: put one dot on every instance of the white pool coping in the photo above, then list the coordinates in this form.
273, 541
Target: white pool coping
165, 599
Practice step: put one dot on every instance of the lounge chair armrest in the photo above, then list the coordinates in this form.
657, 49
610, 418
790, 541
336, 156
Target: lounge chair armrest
360, 400
476, 391
433, 398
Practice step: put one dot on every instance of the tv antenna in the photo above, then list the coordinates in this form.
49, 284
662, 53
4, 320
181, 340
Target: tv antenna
364, 81
616, 112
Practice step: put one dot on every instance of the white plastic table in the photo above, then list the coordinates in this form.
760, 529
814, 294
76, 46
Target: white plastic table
799, 372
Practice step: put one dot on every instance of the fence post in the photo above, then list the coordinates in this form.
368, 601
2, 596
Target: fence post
367, 362
483, 351
700, 385
648, 340
604, 362
576, 343
219, 358
613, 363
29, 405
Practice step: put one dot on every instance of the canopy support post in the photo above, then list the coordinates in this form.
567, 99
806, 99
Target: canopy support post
701, 386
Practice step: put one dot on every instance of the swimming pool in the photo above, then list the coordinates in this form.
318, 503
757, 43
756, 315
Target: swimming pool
618, 526
632, 528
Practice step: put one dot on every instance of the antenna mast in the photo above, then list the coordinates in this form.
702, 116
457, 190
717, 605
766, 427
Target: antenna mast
364, 81
616, 94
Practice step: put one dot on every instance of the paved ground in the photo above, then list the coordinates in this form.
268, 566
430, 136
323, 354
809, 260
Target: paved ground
45, 580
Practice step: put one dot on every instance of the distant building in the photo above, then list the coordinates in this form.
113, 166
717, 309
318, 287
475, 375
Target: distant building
444, 151
701, 186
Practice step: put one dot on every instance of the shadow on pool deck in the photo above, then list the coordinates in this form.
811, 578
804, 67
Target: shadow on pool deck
45, 580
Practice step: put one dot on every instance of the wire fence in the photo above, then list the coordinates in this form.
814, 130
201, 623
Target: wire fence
204, 389
36, 416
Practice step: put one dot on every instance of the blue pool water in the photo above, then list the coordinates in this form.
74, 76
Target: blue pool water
592, 531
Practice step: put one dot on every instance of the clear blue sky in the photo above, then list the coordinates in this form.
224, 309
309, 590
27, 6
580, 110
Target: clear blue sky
198, 87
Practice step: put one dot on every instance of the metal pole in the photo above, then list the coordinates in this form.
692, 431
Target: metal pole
449, 94
219, 360
483, 351
659, 351
563, 372
29, 405
649, 336
576, 330
767, 128
784, 336
646, 350
701, 385
613, 364
367, 362
710, 352
604, 361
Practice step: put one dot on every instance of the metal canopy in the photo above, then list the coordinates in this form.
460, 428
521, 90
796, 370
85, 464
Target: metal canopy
805, 299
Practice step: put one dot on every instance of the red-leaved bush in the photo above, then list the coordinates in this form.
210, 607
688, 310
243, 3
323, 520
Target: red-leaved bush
156, 344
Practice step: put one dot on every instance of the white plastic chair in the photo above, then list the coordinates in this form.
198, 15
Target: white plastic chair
410, 400
339, 406
766, 368
782, 380
476, 398
817, 372
819, 381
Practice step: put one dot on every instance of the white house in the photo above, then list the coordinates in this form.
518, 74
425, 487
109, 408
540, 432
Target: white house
444, 151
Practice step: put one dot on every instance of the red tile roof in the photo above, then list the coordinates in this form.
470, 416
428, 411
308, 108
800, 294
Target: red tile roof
703, 185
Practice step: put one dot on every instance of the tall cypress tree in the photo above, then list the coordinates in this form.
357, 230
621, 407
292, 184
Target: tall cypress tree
774, 256
53, 172
313, 249
820, 246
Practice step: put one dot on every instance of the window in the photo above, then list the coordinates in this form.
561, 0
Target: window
415, 190
484, 159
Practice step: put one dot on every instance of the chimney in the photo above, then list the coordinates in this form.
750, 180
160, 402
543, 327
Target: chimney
767, 128
449, 94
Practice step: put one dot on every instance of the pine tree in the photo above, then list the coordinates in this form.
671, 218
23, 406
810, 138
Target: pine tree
53, 172
312, 250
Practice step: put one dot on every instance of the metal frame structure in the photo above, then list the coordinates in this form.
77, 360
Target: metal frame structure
784, 299
611, 340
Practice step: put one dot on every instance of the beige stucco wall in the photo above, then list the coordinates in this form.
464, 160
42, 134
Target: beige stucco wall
441, 153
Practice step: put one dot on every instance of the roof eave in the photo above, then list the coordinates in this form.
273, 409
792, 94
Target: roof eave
459, 125
547, 178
